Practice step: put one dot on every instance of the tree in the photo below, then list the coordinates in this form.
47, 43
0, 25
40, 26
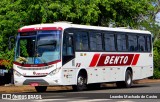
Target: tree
17, 13
149, 22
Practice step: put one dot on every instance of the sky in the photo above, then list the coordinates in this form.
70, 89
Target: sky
158, 18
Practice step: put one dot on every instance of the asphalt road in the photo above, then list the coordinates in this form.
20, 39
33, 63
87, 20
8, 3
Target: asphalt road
137, 93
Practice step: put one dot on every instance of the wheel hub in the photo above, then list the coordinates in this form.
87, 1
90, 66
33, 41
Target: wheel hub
129, 80
80, 81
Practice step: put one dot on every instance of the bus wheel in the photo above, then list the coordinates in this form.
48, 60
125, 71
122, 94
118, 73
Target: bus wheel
128, 81
41, 88
81, 83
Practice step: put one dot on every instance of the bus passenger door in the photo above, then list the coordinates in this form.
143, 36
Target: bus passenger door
68, 48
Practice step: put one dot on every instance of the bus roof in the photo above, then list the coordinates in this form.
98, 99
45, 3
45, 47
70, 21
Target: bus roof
64, 25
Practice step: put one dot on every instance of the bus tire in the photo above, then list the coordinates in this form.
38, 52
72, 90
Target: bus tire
128, 80
81, 83
41, 88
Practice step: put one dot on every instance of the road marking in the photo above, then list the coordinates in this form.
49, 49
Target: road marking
47, 100
91, 100
79, 100
51, 97
125, 101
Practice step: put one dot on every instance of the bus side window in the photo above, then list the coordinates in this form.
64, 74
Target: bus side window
81, 40
121, 42
68, 52
109, 41
148, 43
141, 43
96, 41
70, 45
132, 43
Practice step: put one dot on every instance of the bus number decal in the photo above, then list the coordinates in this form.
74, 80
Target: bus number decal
78, 64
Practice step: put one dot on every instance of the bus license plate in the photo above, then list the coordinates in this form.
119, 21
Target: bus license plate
34, 84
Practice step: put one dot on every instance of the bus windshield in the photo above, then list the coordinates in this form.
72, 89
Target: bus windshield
38, 48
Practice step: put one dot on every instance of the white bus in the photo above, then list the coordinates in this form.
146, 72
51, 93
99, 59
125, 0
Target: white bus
82, 56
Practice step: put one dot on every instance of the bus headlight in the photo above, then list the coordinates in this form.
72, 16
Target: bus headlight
17, 73
54, 71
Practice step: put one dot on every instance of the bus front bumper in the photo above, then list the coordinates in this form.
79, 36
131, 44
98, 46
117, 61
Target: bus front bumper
37, 81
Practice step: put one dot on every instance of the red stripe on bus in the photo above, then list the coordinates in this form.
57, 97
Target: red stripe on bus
39, 29
135, 60
94, 60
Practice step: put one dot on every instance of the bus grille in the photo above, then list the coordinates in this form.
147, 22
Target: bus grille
34, 68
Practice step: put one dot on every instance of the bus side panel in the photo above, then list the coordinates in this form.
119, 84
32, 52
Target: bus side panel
95, 74
105, 74
143, 68
69, 73
146, 71
146, 65
98, 74
101, 73
136, 72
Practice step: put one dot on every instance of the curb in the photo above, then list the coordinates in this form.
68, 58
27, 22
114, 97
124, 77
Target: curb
143, 81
